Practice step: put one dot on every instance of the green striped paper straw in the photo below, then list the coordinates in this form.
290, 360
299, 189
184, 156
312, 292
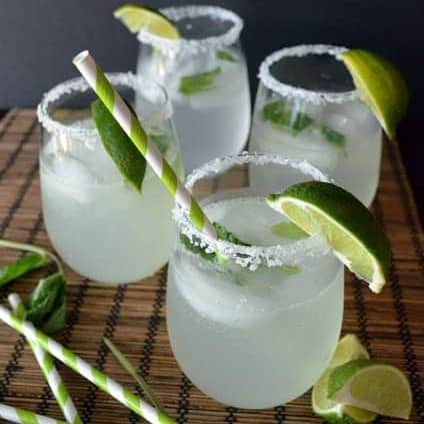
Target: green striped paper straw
50, 372
132, 127
22, 416
92, 374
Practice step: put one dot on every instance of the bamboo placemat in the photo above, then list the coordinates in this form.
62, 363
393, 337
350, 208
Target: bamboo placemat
391, 325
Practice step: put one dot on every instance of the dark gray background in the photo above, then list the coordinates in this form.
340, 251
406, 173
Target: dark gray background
38, 39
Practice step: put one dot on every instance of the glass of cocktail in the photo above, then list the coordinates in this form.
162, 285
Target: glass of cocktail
99, 224
204, 72
307, 108
255, 325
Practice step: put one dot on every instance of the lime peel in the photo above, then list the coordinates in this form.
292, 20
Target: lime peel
348, 348
371, 385
380, 85
135, 17
355, 236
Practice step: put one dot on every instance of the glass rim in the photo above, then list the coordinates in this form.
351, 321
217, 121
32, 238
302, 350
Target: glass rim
252, 256
194, 46
310, 96
80, 85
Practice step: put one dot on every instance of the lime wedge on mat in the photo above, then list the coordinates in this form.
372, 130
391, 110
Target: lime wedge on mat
356, 237
348, 348
368, 384
134, 17
380, 85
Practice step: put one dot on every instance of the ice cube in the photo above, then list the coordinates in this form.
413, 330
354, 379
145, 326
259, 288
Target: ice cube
71, 177
90, 152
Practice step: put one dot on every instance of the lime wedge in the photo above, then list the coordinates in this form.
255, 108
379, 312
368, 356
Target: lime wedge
128, 160
371, 385
348, 348
356, 237
135, 17
381, 86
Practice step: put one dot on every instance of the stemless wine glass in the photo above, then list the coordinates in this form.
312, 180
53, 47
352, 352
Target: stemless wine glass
205, 75
307, 108
256, 329
100, 225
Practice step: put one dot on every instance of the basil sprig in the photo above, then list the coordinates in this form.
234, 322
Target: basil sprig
46, 305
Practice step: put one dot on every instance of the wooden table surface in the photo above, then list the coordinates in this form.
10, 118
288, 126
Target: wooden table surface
390, 324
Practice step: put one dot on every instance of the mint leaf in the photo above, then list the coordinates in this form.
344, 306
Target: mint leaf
46, 305
281, 115
197, 83
161, 138
226, 235
129, 161
333, 137
290, 269
21, 266
288, 230
226, 56
222, 233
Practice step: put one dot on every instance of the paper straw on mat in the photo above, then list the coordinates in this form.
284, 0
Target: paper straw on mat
92, 374
132, 127
22, 416
50, 372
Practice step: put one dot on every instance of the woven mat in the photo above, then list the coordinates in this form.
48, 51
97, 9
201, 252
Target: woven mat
390, 325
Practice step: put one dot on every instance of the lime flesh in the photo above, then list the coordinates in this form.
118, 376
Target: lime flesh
135, 17
378, 387
356, 237
348, 348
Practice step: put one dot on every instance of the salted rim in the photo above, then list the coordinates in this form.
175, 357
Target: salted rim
252, 256
80, 85
310, 96
194, 46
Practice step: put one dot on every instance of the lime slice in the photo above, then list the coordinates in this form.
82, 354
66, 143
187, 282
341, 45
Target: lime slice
135, 17
348, 348
356, 237
380, 85
371, 385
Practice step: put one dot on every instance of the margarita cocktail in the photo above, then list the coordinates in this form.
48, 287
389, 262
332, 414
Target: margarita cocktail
307, 108
99, 224
255, 326
204, 72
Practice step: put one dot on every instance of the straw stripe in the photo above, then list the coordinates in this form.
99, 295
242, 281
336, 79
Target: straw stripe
83, 368
22, 416
130, 124
51, 375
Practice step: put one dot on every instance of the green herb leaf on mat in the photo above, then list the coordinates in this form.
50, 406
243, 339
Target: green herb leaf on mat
46, 305
226, 56
129, 161
288, 230
22, 266
193, 84
282, 116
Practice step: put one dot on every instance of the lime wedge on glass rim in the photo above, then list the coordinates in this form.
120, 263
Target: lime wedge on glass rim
348, 349
135, 17
369, 384
380, 85
357, 239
